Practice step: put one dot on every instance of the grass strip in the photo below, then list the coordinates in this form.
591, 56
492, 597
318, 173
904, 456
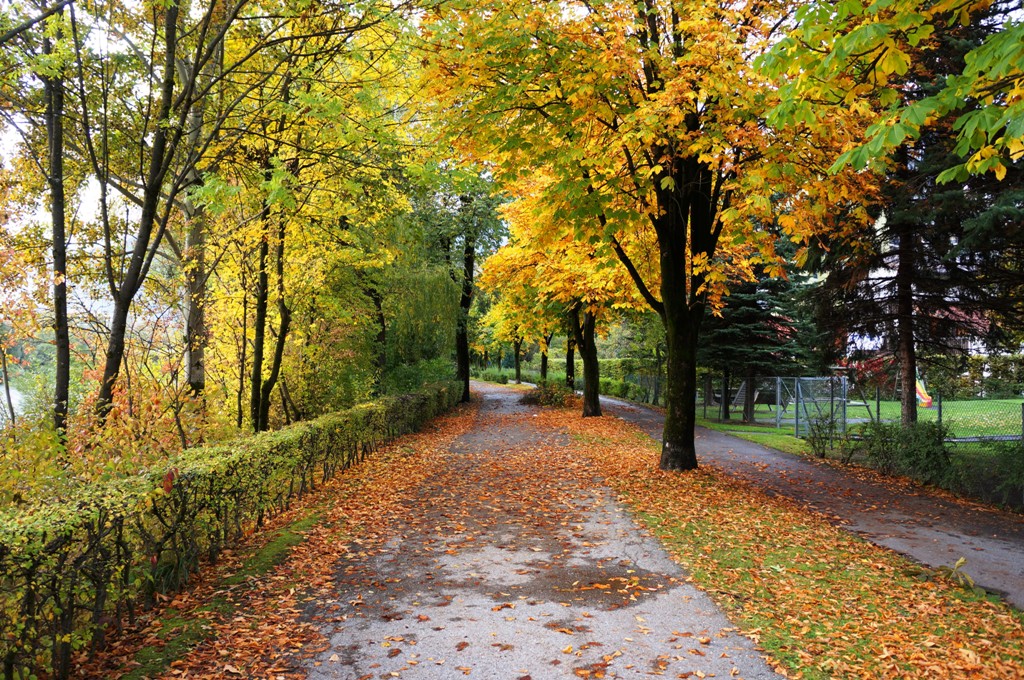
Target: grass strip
178, 635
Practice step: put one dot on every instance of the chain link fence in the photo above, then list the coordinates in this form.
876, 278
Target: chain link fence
796, 403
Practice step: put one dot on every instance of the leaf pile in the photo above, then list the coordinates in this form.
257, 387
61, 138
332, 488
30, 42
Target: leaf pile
824, 602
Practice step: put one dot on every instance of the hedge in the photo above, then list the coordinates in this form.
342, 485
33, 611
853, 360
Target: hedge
70, 570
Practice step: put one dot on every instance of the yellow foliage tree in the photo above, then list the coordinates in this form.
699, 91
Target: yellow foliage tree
647, 113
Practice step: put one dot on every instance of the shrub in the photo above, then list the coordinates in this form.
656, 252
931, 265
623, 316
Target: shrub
549, 393
408, 377
1009, 466
71, 567
493, 376
881, 443
821, 434
918, 451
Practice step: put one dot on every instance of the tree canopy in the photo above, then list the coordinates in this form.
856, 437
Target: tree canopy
234, 215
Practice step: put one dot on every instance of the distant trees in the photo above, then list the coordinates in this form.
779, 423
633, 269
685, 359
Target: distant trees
457, 211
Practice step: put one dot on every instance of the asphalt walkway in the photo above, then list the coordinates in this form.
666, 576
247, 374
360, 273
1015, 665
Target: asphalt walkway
513, 561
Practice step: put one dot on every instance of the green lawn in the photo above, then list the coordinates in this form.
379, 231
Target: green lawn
968, 418
782, 440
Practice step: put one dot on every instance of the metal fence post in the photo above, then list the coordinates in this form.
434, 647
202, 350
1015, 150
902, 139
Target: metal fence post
938, 405
708, 392
796, 421
878, 403
778, 403
846, 400
831, 410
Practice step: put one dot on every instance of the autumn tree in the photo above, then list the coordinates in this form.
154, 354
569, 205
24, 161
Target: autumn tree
647, 113
855, 54
457, 208
546, 275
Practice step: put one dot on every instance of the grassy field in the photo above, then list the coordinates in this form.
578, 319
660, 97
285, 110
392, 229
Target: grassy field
974, 418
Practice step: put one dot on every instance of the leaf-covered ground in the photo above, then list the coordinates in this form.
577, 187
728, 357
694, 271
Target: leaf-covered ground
822, 602
244, 619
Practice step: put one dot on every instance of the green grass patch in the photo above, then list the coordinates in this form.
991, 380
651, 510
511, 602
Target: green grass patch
275, 551
733, 426
180, 634
781, 442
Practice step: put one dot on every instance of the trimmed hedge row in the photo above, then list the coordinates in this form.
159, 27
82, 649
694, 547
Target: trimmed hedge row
70, 570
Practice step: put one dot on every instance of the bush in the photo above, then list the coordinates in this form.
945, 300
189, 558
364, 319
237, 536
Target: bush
490, 375
918, 451
1009, 470
549, 394
880, 444
72, 567
408, 377
821, 435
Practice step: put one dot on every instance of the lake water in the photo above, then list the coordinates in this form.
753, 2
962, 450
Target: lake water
16, 398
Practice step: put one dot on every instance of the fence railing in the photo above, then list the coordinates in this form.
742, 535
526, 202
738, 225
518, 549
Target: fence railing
796, 403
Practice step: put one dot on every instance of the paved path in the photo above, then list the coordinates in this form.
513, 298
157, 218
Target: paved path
912, 520
515, 562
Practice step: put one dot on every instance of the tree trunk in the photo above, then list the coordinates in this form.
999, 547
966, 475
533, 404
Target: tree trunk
657, 375
726, 394
259, 329
380, 356
114, 355
517, 346
462, 327
54, 93
585, 339
687, 228
7, 385
240, 396
135, 273
267, 389
906, 350
570, 361
544, 356
748, 398
678, 451
196, 332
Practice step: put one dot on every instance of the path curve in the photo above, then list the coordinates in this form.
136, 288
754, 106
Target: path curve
933, 530
514, 561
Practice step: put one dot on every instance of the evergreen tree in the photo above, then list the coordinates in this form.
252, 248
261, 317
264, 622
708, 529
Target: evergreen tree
759, 333
945, 265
